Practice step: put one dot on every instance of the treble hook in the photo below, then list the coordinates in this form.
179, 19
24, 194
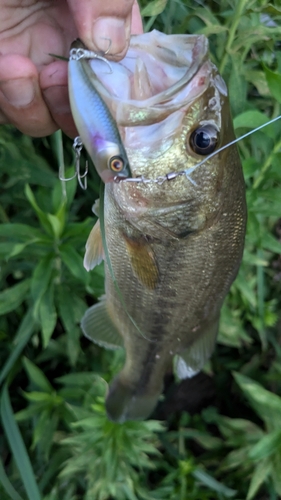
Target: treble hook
77, 146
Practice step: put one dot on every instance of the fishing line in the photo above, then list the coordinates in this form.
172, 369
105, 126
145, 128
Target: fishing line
233, 142
188, 171
108, 262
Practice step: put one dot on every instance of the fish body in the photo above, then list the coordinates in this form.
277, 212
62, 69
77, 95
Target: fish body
175, 246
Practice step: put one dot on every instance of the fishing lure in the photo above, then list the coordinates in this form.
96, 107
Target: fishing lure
92, 117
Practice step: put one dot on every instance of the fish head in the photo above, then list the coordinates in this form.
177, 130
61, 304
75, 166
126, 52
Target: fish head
171, 108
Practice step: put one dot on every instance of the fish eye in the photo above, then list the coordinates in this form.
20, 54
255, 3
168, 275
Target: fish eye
204, 139
116, 163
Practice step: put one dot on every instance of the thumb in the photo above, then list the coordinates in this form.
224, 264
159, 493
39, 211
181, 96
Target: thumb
104, 25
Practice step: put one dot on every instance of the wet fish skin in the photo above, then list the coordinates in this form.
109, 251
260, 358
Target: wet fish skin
175, 249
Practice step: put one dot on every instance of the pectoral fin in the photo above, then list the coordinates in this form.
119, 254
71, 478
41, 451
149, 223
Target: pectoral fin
192, 359
96, 207
94, 249
98, 326
143, 261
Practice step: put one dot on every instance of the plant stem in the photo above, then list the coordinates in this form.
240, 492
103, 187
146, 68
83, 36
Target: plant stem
232, 31
266, 165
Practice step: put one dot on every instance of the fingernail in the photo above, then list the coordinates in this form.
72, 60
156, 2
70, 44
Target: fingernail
18, 93
110, 33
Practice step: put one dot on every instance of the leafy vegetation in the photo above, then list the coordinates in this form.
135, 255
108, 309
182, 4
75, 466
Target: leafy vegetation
57, 443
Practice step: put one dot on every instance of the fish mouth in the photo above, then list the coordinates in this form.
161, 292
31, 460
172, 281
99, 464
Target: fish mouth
159, 75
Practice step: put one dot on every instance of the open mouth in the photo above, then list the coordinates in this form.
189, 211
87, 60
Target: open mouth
159, 75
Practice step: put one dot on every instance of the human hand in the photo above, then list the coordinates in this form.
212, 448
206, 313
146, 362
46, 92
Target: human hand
33, 84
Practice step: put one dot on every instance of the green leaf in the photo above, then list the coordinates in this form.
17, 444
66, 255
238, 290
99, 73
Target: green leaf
57, 221
260, 475
80, 379
50, 472
44, 430
39, 397
237, 86
274, 83
55, 224
47, 314
268, 445
18, 448
258, 79
8, 487
5, 249
207, 16
36, 375
246, 290
212, 30
20, 231
41, 279
154, 8
31, 411
231, 330
235, 428
250, 119
11, 298
73, 344
270, 243
266, 404
74, 263
65, 305
20, 247
212, 483
203, 438
42, 216
23, 335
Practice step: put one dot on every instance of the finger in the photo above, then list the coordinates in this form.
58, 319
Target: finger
53, 82
21, 101
137, 27
104, 25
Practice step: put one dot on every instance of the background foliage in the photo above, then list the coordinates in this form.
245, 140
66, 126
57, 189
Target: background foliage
220, 432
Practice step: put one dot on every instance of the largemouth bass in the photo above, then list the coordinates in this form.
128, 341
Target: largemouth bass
174, 232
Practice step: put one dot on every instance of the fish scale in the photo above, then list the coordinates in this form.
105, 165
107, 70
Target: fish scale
196, 273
